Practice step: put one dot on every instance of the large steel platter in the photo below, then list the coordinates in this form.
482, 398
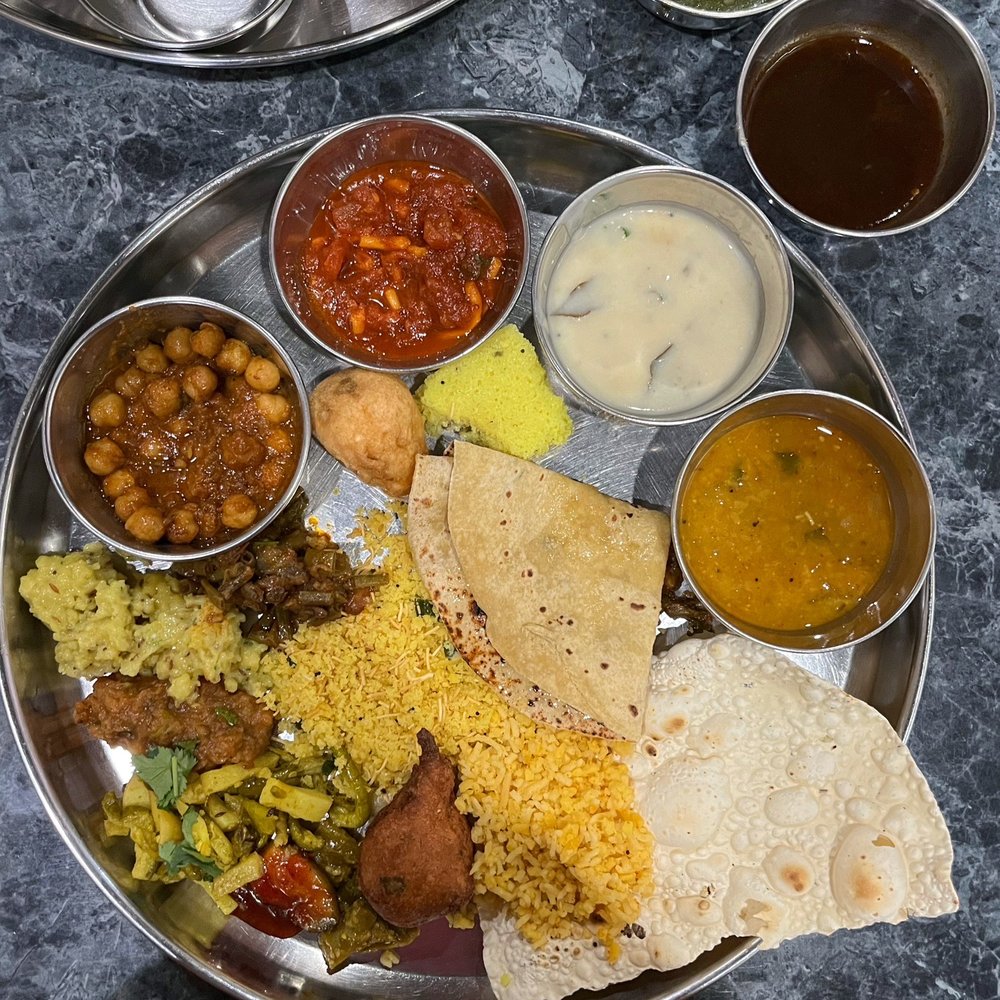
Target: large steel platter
299, 30
213, 244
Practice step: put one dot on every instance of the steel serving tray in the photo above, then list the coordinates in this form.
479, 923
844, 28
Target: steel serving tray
213, 244
297, 31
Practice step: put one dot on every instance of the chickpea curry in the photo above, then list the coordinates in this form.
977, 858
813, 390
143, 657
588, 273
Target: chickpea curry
786, 522
194, 438
403, 261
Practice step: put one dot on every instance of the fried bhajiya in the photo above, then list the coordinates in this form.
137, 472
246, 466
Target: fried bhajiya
416, 858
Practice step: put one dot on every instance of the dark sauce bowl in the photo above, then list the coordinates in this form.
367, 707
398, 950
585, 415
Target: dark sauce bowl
941, 57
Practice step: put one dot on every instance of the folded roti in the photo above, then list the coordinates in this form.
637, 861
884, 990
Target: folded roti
436, 562
779, 805
569, 580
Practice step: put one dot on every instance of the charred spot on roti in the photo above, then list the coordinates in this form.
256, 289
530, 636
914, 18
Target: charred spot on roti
637, 607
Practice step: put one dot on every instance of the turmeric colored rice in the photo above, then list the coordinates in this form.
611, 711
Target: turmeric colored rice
559, 838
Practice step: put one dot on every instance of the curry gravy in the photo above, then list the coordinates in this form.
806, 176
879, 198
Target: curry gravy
786, 522
846, 129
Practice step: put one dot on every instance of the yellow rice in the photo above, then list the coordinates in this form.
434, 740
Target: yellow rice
559, 838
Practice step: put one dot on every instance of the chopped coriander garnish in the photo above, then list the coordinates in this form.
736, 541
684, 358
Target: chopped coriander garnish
423, 607
185, 855
228, 716
166, 770
789, 462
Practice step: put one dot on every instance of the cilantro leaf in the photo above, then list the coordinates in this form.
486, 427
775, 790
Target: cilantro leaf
166, 770
183, 854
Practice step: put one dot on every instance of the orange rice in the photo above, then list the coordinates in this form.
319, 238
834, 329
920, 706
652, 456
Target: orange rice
560, 840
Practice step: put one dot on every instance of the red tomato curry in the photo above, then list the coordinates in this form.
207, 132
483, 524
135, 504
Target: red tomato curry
403, 261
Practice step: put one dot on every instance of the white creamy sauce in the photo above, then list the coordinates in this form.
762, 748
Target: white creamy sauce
654, 308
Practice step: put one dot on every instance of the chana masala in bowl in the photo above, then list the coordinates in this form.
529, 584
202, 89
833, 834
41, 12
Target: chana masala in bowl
176, 427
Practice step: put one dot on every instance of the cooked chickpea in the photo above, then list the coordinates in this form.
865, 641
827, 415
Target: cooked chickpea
280, 440
238, 511
208, 339
234, 357
151, 359
154, 447
131, 382
262, 375
107, 409
199, 383
275, 409
103, 457
162, 397
240, 450
177, 345
117, 483
182, 526
273, 474
208, 520
145, 524
130, 501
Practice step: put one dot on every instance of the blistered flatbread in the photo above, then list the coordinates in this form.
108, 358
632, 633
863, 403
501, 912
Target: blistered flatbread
569, 580
780, 806
437, 563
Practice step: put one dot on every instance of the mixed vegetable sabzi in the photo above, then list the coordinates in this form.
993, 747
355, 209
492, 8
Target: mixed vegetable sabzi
275, 844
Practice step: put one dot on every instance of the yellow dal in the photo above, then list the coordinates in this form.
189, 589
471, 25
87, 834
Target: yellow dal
786, 522
558, 835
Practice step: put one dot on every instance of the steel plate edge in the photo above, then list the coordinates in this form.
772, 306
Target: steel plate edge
234, 60
189, 203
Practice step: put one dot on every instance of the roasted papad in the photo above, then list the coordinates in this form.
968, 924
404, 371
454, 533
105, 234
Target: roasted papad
780, 806
437, 563
569, 580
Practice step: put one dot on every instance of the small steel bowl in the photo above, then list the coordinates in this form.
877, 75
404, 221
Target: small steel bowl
690, 15
950, 62
364, 144
722, 204
184, 25
910, 497
99, 350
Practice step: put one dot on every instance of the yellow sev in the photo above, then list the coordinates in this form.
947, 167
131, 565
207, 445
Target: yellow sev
558, 836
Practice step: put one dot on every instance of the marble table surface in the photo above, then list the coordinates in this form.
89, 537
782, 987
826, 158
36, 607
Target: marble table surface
92, 150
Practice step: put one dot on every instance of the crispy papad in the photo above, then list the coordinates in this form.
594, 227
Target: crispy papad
437, 563
569, 580
780, 806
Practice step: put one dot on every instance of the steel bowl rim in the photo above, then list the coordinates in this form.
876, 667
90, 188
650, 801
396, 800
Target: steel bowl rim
718, 19
887, 425
780, 254
271, 7
152, 555
974, 50
363, 124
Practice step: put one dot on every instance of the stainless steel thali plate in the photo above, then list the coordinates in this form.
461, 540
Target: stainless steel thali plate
213, 244
297, 31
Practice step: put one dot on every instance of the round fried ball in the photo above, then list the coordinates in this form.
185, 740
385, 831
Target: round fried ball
369, 421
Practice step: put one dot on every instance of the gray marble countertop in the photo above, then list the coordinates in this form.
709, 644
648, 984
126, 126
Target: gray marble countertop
93, 150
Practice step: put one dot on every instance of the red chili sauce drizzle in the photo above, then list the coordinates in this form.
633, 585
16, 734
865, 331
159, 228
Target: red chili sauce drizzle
846, 129
292, 895
403, 261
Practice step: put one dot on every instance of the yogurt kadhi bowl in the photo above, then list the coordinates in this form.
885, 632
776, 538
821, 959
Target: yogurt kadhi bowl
662, 295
